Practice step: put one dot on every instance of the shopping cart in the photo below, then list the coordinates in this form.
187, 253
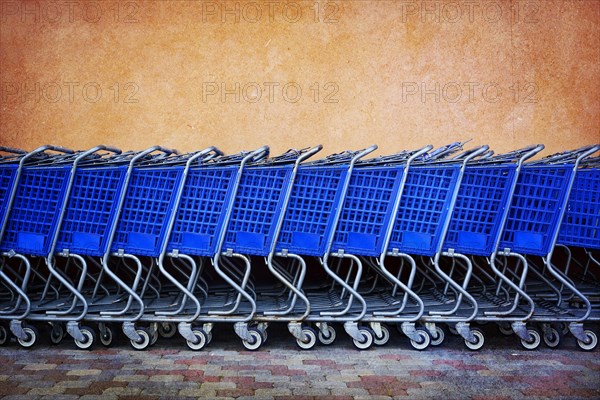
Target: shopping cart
11, 301
140, 232
364, 230
308, 229
580, 231
33, 218
136, 188
255, 220
475, 230
198, 230
420, 228
533, 225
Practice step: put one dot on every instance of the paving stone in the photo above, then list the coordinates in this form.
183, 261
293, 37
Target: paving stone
122, 391
328, 385
166, 378
271, 378
343, 378
218, 385
38, 367
311, 392
259, 393
198, 392
74, 384
84, 372
131, 378
349, 392
170, 392
37, 384
46, 391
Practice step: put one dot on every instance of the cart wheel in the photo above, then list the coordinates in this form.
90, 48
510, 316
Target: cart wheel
479, 340
592, 341
438, 337
144, 341
167, 329
423, 342
367, 341
310, 341
31, 337
57, 333
200, 338
385, 336
506, 330
564, 328
263, 334
328, 337
3, 335
153, 336
534, 342
106, 338
552, 340
255, 341
90, 338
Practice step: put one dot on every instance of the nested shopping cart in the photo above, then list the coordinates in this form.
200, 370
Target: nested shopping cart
136, 190
306, 231
537, 210
363, 231
141, 230
253, 221
580, 231
475, 230
420, 228
197, 232
34, 215
14, 298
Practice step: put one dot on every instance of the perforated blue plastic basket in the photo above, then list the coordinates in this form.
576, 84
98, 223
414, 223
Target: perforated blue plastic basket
91, 209
308, 221
200, 217
149, 199
477, 216
424, 209
34, 215
581, 224
535, 209
7, 178
257, 205
367, 210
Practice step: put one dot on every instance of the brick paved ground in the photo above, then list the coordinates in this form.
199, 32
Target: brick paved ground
501, 370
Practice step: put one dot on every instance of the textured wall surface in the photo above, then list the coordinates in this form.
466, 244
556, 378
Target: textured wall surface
188, 74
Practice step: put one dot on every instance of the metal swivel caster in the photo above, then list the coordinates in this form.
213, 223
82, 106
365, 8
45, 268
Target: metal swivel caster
367, 339
201, 340
423, 341
90, 337
254, 341
310, 339
145, 338
535, 339
479, 340
591, 343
